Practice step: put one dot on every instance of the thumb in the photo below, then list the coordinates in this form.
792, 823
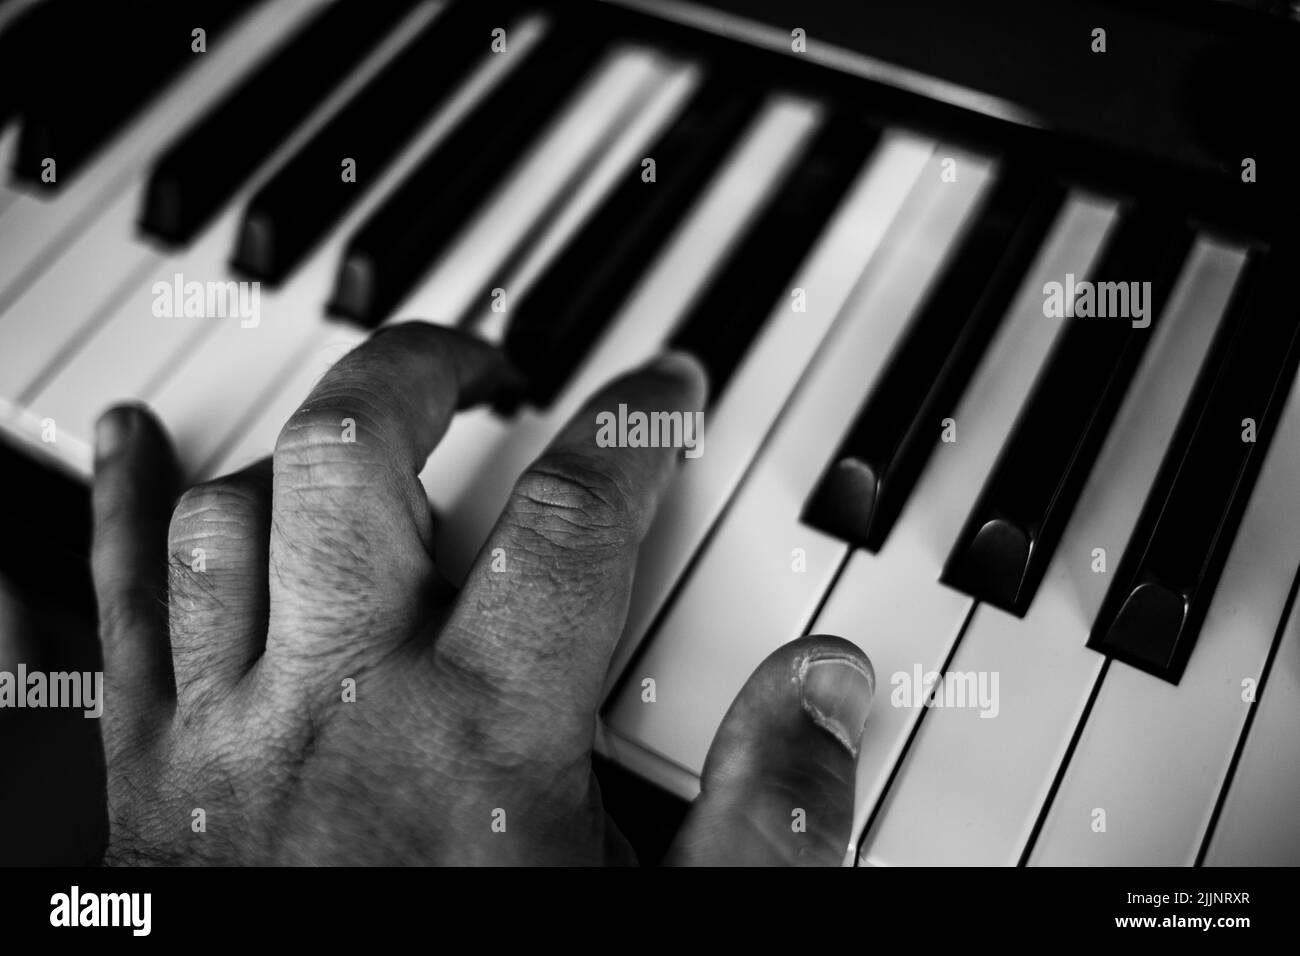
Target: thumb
777, 786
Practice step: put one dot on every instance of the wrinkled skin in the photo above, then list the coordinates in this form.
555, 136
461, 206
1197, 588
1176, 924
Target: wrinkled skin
225, 676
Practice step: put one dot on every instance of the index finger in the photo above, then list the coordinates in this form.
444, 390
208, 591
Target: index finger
543, 606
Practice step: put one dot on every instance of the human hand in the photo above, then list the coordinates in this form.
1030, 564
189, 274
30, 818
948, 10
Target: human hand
225, 684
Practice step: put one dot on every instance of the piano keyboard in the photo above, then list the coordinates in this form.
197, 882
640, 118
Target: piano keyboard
1085, 517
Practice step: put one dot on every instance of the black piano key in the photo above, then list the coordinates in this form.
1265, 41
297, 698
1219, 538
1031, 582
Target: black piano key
307, 195
1154, 609
414, 226
877, 464
1012, 531
122, 55
727, 317
557, 322
201, 171
29, 35
34, 541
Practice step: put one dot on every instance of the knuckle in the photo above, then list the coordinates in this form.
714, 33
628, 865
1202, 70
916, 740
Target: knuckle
224, 517
217, 515
213, 508
312, 429
572, 503
337, 439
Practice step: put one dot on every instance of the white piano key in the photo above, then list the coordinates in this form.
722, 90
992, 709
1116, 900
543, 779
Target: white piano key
738, 424
970, 788
594, 185
57, 312
626, 79
37, 228
8, 144
1259, 824
257, 438
1154, 755
130, 351
261, 437
756, 166
470, 475
891, 604
476, 431
292, 314
48, 315
743, 598
114, 356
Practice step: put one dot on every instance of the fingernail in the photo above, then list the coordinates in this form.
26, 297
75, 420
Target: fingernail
113, 431
836, 693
